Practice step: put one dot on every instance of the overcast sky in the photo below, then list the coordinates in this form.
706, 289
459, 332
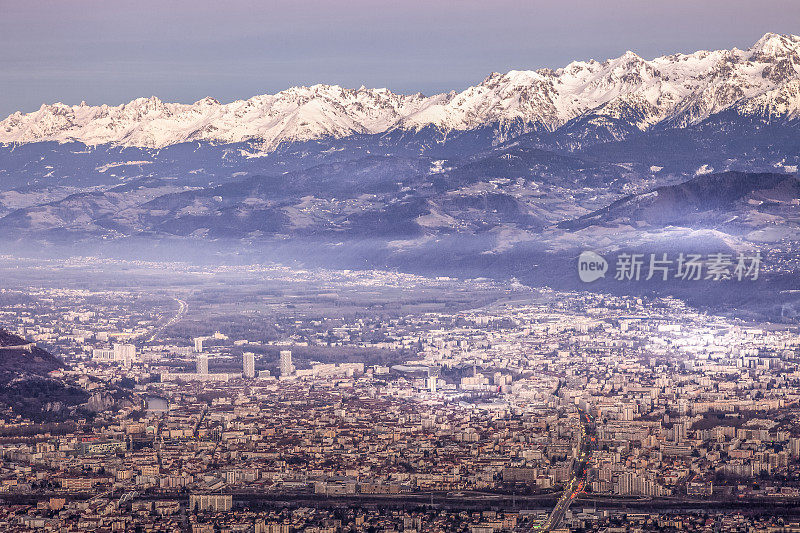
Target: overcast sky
112, 51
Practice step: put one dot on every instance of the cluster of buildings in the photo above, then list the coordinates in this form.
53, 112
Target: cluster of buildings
165, 515
482, 406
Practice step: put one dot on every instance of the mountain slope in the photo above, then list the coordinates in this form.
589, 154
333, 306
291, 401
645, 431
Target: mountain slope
734, 202
28, 389
377, 195
25, 387
17, 356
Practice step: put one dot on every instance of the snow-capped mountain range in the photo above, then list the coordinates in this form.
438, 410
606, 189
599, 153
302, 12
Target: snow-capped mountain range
671, 91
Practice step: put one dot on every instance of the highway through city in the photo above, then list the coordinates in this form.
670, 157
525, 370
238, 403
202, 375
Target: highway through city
577, 481
182, 307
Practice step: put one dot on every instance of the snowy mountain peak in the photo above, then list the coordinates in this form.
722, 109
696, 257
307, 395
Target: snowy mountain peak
675, 91
206, 101
629, 56
775, 44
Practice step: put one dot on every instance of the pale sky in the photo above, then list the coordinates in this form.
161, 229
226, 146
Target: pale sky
111, 51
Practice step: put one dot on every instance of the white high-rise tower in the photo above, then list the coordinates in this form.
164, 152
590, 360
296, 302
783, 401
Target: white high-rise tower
249, 365
126, 353
432, 384
202, 363
286, 363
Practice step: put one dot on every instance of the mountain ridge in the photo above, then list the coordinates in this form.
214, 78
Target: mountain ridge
690, 202
670, 91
